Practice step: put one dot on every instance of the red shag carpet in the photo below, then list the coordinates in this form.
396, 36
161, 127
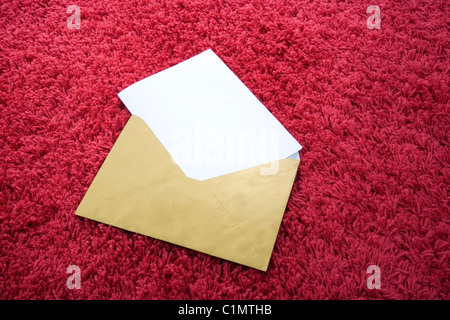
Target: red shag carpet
369, 106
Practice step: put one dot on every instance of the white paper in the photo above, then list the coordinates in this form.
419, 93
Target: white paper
294, 156
207, 119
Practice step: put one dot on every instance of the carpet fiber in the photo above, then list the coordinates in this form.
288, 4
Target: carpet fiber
369, 106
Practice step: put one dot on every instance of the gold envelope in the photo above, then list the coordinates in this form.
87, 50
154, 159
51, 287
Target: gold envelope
235, 216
